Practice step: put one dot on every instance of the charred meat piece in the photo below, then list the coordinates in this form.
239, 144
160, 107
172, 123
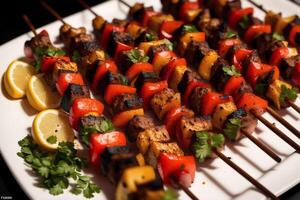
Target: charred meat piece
113, 78
156, 49
271, 47
196, 97
62, 66
137, 10
91, 70
41, 40
126, 102
215, 30
203, 18
137, 124
153, 134
85, 47
260, 43
156, 148
119, 37
230, 53
287, 66
114, 160
119, 22
252, 57
244, 88
164, 101
68, 33
144, 77
93, 124
195, 52
78, 41
187, 77
91, 58
73, 92
219, 75
263, 82
98, 23
231, 6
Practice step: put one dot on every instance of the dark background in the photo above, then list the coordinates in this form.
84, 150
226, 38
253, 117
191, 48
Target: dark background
11, 26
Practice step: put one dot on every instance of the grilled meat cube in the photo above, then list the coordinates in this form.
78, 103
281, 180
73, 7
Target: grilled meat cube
137, 10
146, 36
263, 82
85, 47
119, 22
156, 20
196, 97
244, 88
287, 66
62, 66
137, 124
230, 53
221, 113
98, 23
190, 125
126, 102
203, 18
78, 41
112, 78
164, 101
171, 6
93, 123
156, 49
195, 52
177, 76
260, 43
219, 76
252, 57
128, 58
187, 77
91, 70
73, 92
231, 6
271, 47
39, 41
153, 134
68, 33
215, 30
156, 148
119, 37
144, 77
91, 58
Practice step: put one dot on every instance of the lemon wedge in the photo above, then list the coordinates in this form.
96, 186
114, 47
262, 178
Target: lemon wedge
16, 78
40, 95
51, 127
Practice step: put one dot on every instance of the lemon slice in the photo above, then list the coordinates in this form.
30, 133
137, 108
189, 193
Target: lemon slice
16, 78
51, 127
40, 95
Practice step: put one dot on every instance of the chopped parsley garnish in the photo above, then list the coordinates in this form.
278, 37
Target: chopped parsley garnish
231, 128
169, 194
169, 44
54, 169
52, 139
244, 23
150, 37
136, 56
288, 94
189, 29
76, 56
41, 52
231, 70
231, 34
277, 36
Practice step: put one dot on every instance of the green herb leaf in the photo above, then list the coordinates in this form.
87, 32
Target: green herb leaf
231, 128
217, 140
150, 37
201, 146
136, 56
56, 190
288, 94
168, 44
277, 36
52, 139
231, 70
169, 194
189, 29
244, 23
231, 34
76, 56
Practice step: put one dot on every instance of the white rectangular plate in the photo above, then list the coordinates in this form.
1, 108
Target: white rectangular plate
214, 180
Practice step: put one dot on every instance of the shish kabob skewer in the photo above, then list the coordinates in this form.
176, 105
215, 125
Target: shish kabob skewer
252, 180
135, 165
172, 178
279, 133
247, 134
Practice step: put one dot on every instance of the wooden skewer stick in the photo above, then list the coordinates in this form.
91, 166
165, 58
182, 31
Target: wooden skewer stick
86, 6
295, 2
278, 132
262, 146
283, 122
258, 6
293, 105
245, 175
176, 183
53, 12
29, 24
125, 3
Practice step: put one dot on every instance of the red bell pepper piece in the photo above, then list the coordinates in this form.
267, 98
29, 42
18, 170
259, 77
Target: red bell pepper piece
146, 17
168, 27
296, 75
225, 45
105, 36
236, 15
211, 99
185, 7
136, 68
250, 101
169, 68
48, 62
83, 106
278, 54
120, 48
254, 30
255, 70
239, 57
292, 35
190, 88
65, 79
98, 142
107, 65
233, 84
178, 166
149, 89
173, 116
114, 90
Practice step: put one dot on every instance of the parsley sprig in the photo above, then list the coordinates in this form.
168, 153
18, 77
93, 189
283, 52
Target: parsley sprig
288, 94
55, 169
231, 70
136, 56
231, 128
41, 52
189, 29
277, 36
